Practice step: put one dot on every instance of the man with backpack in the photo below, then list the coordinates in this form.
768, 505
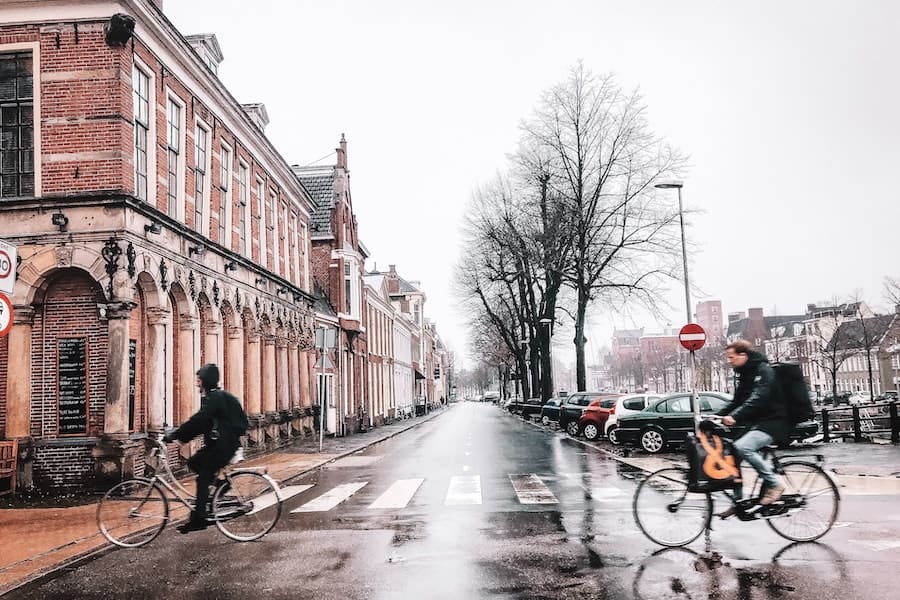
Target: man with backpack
222, 421
759, 404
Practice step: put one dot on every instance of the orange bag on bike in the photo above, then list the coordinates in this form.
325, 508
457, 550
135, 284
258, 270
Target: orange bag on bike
712, 463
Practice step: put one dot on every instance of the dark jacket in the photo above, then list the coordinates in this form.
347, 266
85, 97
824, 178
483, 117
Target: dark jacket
220, 420
758, 403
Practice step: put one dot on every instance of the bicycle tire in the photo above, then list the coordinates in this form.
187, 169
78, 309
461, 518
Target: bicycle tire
133, 513
663, 496
811, 483
247, 507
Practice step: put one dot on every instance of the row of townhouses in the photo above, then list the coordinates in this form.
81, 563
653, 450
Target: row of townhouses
158, 229
844, 340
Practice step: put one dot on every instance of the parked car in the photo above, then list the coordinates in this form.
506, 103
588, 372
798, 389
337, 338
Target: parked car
526, 408
626, 405
550, 411
491, 397
857, 398
593, 420
667, 421
573, 407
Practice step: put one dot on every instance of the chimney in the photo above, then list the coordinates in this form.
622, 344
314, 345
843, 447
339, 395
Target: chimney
257, 113
810, 308
392, 269
755, 313
342, 153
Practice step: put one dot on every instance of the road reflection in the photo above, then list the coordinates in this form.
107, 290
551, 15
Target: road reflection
802, 570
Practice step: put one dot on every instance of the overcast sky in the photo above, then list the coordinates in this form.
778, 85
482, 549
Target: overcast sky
789, 112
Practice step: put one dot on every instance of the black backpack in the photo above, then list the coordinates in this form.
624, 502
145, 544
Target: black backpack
789, 377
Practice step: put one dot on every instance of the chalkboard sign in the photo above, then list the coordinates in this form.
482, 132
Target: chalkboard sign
72, 386
132, 356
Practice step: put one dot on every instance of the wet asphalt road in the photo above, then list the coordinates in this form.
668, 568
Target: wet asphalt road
450, 541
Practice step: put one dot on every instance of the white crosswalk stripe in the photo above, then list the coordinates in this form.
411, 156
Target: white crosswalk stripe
531, 490
331, 498
464, 490
269, 499
398, 495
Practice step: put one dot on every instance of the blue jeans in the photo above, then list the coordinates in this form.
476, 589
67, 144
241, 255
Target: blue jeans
747, 448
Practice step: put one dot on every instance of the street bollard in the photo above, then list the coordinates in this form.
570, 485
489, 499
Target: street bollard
826, 433
857, 429
895, 424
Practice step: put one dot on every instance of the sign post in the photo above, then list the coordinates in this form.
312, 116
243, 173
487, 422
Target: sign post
7, 267
6, 315
692, 338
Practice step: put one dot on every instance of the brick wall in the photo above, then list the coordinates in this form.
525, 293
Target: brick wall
63, 467
70, 311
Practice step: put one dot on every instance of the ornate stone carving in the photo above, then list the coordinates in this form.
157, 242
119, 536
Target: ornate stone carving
63, 256
111, 253
215, 293
192, 285
131, 255
163, 270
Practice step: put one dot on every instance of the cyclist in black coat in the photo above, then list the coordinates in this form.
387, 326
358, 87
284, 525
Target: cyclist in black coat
757, 403
222, 421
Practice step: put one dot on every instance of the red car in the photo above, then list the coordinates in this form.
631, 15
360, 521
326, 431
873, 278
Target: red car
593, 419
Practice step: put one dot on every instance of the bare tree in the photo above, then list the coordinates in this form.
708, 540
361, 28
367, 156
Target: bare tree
831, 345
603, 163
892, 291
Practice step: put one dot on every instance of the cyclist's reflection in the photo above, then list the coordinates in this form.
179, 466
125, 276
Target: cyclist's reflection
676, 573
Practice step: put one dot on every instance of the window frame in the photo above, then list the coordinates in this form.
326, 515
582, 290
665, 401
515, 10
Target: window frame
226, 174
35, 49
203, 212
142, 124
175, 198
245, 225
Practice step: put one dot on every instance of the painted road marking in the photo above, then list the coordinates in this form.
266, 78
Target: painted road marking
464, 490
398, 495
269, 499
531, 490
331, 498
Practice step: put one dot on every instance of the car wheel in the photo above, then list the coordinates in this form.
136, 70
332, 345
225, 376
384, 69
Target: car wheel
572, 428
653, 441
613, 436
545, 420
591, 431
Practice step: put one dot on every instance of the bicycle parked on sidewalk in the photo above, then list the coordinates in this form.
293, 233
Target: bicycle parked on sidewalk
245, 507
671, 511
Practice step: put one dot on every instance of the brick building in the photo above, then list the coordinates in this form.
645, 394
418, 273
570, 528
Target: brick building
338, 265
158, 229
709, 316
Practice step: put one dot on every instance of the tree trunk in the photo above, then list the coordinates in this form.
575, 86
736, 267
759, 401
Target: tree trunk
522, 367
580, 340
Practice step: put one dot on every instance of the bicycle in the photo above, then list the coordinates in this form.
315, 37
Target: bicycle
671, 512
245, 507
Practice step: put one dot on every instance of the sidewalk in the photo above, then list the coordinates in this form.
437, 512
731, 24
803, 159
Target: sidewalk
37, 541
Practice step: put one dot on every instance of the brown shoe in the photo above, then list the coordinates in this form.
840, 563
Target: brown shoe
772, 495
728, 512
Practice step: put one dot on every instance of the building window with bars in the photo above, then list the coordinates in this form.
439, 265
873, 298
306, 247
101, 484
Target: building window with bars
173, 146
243, 223
200, 154
16, 125
141, 89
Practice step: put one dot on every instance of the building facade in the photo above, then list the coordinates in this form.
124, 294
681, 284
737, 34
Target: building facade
158, 230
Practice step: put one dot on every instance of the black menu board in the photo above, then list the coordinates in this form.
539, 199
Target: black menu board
132, 359
72, 386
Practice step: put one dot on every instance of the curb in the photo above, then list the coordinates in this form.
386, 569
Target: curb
88, 555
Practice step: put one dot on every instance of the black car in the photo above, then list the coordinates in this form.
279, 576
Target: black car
550, 411
667, 421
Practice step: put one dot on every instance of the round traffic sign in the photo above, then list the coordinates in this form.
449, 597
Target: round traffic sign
692, 337
6, 315
5, 264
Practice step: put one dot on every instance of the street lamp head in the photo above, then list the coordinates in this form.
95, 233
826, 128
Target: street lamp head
669, 185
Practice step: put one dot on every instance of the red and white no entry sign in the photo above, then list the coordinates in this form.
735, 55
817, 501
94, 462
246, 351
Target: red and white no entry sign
692, 337
6, 315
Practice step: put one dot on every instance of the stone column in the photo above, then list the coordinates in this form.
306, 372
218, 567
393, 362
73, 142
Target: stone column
211, 349
158, 320
235, 366
254, 396
304, 367
115, 454
294, 374
18, 381
187, 368
268, 375
115, 421
18, 392
282, 390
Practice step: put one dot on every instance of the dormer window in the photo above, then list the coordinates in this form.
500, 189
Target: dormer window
207, 47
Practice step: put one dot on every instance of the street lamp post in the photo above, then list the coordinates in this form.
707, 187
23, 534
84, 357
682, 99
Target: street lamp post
677, 185
547, 377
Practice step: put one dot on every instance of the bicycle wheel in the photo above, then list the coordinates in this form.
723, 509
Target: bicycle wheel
667, 512
133, 513
247, 507
810, 503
